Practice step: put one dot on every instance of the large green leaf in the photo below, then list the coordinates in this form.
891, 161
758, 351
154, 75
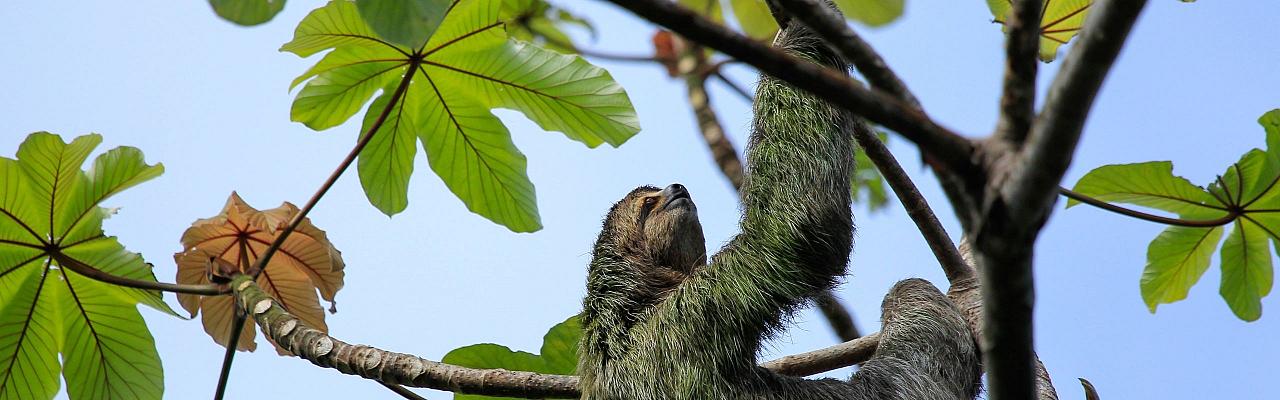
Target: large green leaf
559, 355
50, 213
1175, 261
1244, 199
1149, 184
1060, 21
466, 67
1246, 269
247, 12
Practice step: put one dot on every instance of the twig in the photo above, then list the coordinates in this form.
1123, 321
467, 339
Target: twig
402, 391
97, 275
1017, 105
953, 265
849, 44
838, 316
835, 87
237, 328
734, 86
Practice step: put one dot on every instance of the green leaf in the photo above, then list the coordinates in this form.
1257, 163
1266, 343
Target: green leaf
1175, 261
247, 12
406, 22
49, 211
472, 152
539, 22
1246, 270
559, 355
336, 94
387, 162
1149, 184
868, 185
559, 92
1271, 124
872, 12
1246, 181
467, 67
1060, 21
754, 18
336, 24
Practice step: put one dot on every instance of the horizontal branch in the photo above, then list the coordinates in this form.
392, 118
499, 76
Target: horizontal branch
836, 87
391, 368
823, 360
98, 275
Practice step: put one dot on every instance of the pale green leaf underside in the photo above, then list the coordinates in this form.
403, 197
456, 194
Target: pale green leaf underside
247, 12
386, 163
754, 18
1149, 184
467, 67
1246, 269
105, 348
1175, 261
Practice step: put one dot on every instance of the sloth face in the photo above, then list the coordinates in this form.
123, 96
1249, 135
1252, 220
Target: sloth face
660, 228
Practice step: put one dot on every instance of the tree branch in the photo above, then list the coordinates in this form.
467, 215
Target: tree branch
849, 44
391, 368
948, 147
823, 360
725, 155
1017, 105
838, 316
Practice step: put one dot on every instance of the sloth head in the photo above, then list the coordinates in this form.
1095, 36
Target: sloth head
656, 229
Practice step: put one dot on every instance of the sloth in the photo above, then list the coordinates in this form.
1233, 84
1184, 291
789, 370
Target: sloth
662, 321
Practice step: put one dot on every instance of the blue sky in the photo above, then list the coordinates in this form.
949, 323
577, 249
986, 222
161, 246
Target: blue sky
210, 101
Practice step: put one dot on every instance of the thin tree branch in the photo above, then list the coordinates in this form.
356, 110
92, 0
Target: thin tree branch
1057, 130
953, 265
97, 275
1231, 216
265, 258
838, 34
1017, 105
402, 391
823, 360
237, 328
594, 53
734, 86
946, 146
838, 316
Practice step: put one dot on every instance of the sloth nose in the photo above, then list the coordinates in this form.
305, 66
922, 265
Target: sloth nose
675, 190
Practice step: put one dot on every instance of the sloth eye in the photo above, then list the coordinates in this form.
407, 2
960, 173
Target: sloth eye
649, 201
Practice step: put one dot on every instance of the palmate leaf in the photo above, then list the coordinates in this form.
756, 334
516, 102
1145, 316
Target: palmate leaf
466, 67
49, 214
559, 355
1244, 202
230, 242
406, 22
1060, 21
